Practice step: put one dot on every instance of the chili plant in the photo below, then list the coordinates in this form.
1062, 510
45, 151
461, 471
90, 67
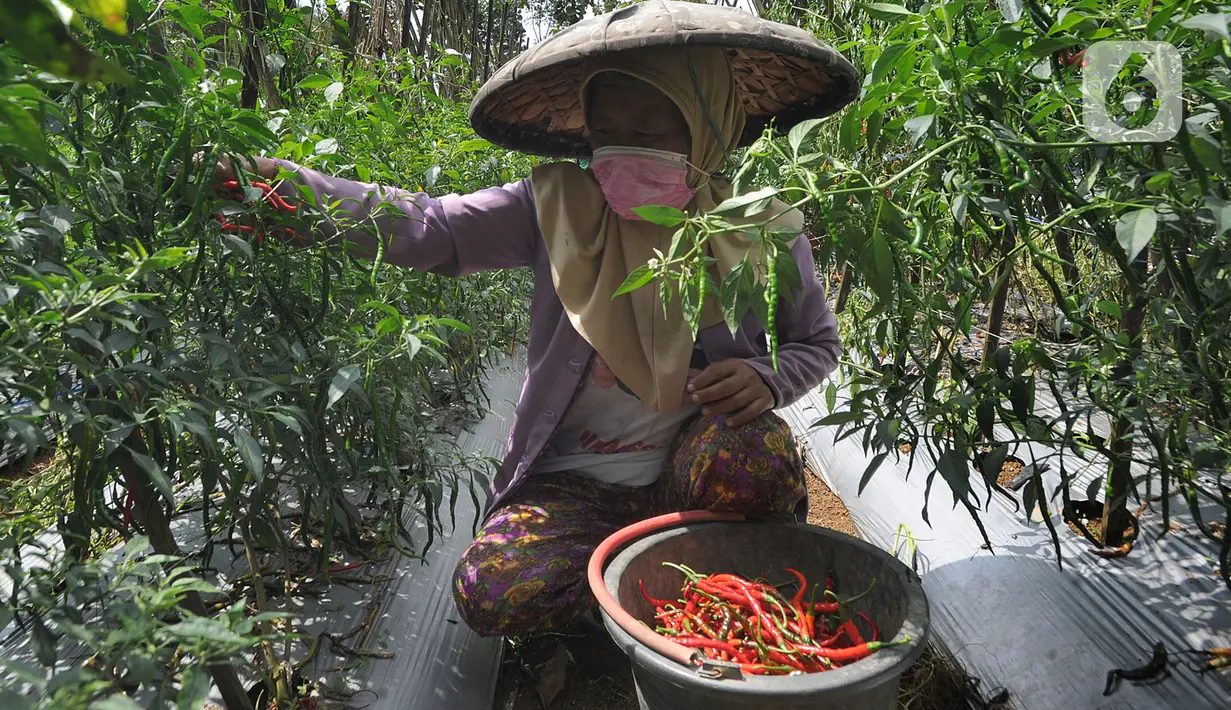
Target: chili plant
289, 397
961, 187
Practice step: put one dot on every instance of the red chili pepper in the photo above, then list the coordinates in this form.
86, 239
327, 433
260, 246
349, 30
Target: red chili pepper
803, 586
853, 632
760, 669
850, 653
653, 602
698, 642
783, 659
876, 636
825, 607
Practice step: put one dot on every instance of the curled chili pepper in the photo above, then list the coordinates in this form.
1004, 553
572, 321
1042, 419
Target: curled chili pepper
653, 602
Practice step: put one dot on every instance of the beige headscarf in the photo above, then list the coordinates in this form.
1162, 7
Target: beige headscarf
592, 250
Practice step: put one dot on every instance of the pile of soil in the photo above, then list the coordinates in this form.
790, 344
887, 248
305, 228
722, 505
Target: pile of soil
583, 669
1089, 514
1009, 471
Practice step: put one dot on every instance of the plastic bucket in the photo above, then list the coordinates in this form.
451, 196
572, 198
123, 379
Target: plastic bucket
896, 602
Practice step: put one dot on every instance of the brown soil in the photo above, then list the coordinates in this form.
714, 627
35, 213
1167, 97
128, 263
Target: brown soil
1089, 514
826, 509
1008, 472
16, 469
584, 670
597, 675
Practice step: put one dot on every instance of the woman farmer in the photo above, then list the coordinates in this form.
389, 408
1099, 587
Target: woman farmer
623, 414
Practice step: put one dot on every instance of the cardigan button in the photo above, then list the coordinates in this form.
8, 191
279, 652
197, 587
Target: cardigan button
549, 415
574, 365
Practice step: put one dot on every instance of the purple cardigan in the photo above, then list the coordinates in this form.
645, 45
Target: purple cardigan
497, 228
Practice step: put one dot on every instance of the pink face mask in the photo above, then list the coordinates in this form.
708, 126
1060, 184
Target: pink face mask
637, 177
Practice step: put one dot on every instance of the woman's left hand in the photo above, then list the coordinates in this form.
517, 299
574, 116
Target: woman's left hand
731, 387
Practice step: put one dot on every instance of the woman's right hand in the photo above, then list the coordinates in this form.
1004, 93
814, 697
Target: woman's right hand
224, 171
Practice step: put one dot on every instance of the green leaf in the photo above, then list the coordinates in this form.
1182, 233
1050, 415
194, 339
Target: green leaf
42, 39
11, 700
803, 132
1111, 308
750, 203
919, 126
1134, 230
735, 294
839, 418
1220, 210
881, 277
886, 61
1050, 45
193, 16
661, 215
315, 81
195, 629
887, 12
119, 701
333, 91
454, 324
473, 145
831, 397
871, 469
985, 416
328, 146
111, 13
993, 461
955, 469
639, 277
194, 687
21, 129
873, 123
250, 452
677, 243
345, 379
154, 472
1211, 23
1159, 182
849, 131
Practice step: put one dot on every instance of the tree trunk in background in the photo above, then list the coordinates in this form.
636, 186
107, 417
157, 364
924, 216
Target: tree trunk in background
424, 26
487, 43
408, 15
1060, 235
354, 24
257, 78
474, 37
504, 23
374, 37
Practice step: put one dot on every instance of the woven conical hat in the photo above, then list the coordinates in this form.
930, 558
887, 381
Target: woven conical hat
532, 104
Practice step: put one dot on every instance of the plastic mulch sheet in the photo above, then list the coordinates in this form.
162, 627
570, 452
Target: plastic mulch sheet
1010, 615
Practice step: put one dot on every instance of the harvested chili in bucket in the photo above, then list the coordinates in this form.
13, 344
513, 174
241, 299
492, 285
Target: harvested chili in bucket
753, 624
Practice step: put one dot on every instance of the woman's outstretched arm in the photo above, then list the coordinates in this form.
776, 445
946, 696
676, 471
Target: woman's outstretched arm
454, 235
